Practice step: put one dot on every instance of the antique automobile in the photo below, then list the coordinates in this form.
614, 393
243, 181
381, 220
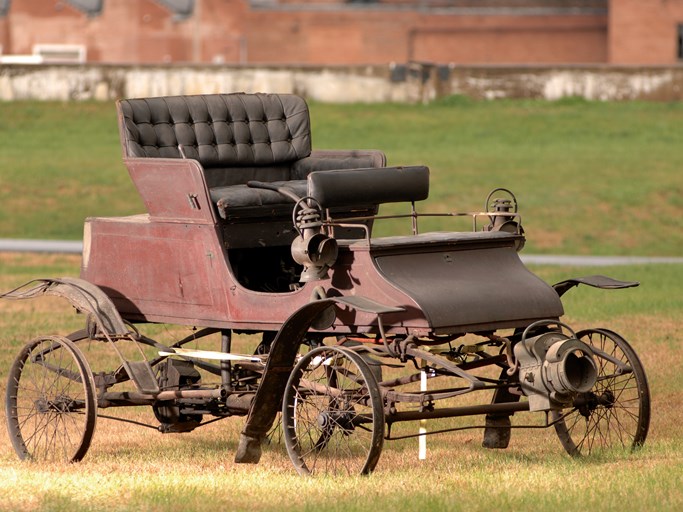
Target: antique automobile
250, 231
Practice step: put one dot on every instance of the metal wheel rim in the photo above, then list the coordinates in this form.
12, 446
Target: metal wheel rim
50, 402
333, 416
617, 414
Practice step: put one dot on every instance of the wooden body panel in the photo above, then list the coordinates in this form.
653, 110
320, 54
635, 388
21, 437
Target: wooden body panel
157, 271
172, 189
176, 272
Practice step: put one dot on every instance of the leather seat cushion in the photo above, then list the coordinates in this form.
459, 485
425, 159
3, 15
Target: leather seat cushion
242, 196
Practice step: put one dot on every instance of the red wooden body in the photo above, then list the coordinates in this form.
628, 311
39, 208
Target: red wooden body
178, 272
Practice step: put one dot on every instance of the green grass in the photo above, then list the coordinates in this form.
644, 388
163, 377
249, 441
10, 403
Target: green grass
491, 481
660, 292
59, 163
591, 178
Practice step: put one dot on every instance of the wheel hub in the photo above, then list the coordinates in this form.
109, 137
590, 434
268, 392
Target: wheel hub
607, 399
61, 405
42, 406
590, 401
336, 419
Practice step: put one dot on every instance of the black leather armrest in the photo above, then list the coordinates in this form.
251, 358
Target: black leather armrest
348, 187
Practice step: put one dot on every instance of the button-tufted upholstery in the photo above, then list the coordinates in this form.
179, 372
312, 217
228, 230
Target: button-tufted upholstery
218, 130
229, 139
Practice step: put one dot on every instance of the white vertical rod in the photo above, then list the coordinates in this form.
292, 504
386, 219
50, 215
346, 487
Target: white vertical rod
422, 439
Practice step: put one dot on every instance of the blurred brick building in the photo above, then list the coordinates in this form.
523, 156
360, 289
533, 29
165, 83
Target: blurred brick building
344, 32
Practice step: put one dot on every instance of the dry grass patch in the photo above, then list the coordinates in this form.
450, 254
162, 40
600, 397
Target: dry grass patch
133, 468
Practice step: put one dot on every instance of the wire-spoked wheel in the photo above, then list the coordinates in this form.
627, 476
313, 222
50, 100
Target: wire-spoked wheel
51, 404
616, 412
333, 415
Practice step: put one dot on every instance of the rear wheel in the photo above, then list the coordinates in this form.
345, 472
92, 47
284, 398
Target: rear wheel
616, 412
333, 415
50, 401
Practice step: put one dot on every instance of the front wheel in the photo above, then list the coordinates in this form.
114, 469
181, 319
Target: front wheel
616, 412
50, 401
333, 415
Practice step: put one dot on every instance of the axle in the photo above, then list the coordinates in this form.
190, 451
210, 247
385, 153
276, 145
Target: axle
454, 412
584, 400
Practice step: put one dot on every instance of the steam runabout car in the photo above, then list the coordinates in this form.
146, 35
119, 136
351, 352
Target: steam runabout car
250, 230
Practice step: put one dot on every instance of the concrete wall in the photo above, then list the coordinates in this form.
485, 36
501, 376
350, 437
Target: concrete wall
395, 83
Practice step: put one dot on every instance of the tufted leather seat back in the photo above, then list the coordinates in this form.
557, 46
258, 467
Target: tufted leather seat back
218, 130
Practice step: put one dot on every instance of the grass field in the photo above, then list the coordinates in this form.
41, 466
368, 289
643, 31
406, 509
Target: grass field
592, 178
131, 468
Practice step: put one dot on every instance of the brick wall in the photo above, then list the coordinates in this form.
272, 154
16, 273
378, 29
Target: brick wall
644, 31
380, 35
332, 32
512, 39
